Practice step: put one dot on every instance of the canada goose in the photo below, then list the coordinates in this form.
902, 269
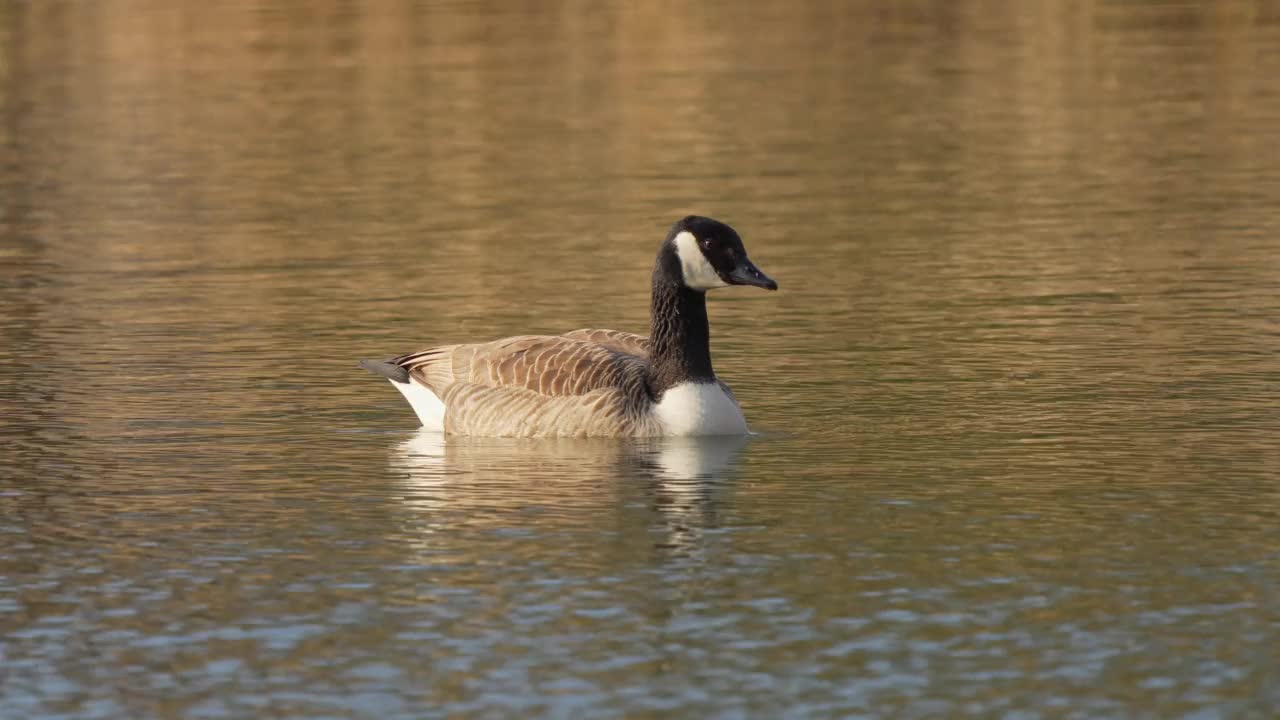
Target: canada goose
596, 382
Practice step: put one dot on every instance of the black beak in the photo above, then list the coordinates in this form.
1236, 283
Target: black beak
748, 274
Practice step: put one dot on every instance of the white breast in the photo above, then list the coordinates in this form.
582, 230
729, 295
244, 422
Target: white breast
699, 409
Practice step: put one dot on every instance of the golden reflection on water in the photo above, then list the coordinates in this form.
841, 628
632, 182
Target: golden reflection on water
680, 477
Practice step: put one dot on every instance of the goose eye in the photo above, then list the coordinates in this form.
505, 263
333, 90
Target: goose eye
706, 243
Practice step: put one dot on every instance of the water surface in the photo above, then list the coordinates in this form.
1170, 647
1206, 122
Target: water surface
1017, 400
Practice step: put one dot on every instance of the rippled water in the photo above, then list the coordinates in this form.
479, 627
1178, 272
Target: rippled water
1018, 398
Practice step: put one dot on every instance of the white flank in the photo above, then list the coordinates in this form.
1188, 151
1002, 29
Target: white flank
699, 409
698, 273
429, 408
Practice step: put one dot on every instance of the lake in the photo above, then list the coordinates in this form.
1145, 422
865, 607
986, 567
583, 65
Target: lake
1017, 402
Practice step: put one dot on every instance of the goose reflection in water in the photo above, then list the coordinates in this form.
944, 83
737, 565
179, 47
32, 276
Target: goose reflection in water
681, 479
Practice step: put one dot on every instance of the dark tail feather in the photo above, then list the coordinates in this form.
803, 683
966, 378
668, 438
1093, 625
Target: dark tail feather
387, 370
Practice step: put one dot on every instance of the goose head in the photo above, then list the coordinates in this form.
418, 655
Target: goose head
703, 254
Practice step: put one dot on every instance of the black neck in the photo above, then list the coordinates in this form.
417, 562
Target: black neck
680, 340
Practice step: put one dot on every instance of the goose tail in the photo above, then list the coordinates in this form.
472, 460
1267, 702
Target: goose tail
388, 370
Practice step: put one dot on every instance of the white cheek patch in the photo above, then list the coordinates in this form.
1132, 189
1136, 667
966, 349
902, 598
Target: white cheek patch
698, 273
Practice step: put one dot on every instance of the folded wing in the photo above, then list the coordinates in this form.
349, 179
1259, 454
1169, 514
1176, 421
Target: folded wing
588, 382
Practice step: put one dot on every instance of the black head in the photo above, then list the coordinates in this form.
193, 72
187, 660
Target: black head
708, 254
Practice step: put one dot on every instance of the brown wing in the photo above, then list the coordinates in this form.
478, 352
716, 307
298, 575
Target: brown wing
520, 412
589, 382
623, 342
554, 366
585, 382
